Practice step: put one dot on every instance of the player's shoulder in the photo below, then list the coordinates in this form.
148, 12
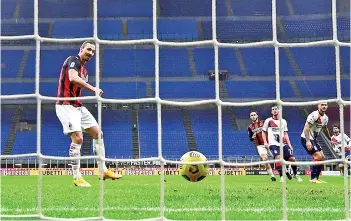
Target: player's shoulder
268, 119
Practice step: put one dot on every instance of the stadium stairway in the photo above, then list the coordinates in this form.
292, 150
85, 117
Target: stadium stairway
191, 62
240, 59
229, 111
189, 131
135, 135
86, 145
23, 64
12, 134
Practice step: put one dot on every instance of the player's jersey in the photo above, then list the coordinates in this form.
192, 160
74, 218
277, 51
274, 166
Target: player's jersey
256, 128
316, 123
271, 126
338, 142
65, 87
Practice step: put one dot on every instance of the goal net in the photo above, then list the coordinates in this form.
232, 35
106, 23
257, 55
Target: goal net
177, 88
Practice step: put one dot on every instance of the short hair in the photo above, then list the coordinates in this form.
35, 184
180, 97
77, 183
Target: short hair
87, 42
336, 125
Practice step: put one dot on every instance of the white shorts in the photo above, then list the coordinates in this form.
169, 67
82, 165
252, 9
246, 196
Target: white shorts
262, 150
74, 119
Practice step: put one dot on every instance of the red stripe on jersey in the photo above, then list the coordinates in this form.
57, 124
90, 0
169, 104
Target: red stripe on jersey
258, 126
67, 89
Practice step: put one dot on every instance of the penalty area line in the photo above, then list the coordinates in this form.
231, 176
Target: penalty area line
157, 209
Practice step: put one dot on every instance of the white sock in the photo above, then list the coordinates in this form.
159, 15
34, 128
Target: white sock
74, 151
270, 172
99, 149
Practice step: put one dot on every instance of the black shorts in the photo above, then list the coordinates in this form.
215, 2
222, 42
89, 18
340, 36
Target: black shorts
287, 151
315, 146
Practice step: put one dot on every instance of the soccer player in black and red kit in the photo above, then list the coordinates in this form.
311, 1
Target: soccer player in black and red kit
255, 135
74, 117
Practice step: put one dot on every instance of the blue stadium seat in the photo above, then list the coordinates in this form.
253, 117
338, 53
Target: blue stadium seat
117, 128
129, 63
10, 63
259, 61
317, 88
343, 26
204, 60
345, 60
122, 8
110, 29
174, 63
315, 60
139, 29
298, 28
345, 89
174, 140
23, 28
257, 8
148, 133
258, 89
7, 8
204, 124
239, 30
167, 29
177, 29
65, 9
27, 9
73, 28
311, 7
17, 88
190, 89
51, 62
6, 121
56, 9
169, 8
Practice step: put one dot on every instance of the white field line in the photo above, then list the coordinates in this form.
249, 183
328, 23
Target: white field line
157, 209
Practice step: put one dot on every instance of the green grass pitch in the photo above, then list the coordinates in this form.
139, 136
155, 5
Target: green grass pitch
138, 197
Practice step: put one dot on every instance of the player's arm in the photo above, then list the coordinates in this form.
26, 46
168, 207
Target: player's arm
347, 139
326, 132
264, 133
251, 134
306, 131
287, 139
74, 65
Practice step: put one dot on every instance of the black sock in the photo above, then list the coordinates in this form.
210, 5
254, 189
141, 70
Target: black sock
294, 168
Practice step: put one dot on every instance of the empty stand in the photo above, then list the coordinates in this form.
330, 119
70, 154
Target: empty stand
169, 8
122, 8
10, 63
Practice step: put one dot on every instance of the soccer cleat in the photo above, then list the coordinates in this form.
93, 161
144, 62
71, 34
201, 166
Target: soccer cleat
281, 179
288, 175
315, 181
322, 181
298, 178
81, 182
109, 174
273, 179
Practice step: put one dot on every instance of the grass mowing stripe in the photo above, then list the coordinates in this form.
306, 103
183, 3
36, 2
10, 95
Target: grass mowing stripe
156, 209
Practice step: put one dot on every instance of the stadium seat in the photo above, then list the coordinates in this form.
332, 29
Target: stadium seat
7, 9
184, 8
122, 8
10, 63
56, 9
257, 8
73, 28
129, 63
23, 28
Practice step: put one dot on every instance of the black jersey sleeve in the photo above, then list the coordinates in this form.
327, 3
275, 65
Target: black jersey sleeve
73, 62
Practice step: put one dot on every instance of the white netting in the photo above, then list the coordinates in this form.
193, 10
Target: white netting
161, 102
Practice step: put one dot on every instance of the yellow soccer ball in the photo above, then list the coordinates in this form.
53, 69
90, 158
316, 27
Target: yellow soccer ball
196, 172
